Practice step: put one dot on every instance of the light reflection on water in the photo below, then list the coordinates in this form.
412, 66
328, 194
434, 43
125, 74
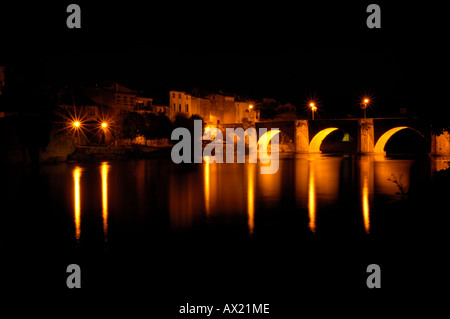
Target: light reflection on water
312, 197
104, 174
232, 195
366, 177
77, 201
251, 197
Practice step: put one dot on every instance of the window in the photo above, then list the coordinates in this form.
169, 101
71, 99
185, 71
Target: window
179, 107
187, 108
173, 95
179, 95
174, 106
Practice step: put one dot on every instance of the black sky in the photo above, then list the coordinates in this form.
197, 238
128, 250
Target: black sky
285, 51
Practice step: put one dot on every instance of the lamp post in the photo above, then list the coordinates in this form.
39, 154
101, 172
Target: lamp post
364, 104
104, 128
313, 109
250, 111
76, 125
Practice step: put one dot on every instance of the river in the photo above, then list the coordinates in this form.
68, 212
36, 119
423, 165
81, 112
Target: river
320, 219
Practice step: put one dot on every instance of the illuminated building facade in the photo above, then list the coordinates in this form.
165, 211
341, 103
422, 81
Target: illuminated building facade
214, 108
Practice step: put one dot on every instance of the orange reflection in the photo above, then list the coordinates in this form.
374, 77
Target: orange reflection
365, 205
77, 207
365, 194
251, 198
390, 171
367, 177
312, 198
207, 186
104, 173
440, 163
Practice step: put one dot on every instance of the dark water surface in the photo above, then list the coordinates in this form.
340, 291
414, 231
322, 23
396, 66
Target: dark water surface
150, 235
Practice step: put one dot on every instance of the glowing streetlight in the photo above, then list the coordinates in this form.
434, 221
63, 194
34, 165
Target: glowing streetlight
313, 108
104, 127
364, 105
77, 128
250, 114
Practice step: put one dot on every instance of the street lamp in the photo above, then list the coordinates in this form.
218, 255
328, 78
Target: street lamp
104, 126
364, 105
313, 108
250, 115
77, 126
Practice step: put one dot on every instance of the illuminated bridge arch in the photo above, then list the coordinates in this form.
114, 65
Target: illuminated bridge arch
265, 139
285, 143
316, 142
381, 143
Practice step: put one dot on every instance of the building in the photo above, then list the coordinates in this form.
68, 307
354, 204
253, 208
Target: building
223, 108
122, 99
180, 103
143, 103
160, 109
214, 108
246, 112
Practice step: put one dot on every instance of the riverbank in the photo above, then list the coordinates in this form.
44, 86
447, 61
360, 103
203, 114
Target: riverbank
107, 153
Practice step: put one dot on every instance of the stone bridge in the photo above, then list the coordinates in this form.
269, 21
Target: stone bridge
370, 134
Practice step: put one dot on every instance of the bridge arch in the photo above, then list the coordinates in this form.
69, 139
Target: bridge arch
285, 143
264, 140
316, 141
382, 141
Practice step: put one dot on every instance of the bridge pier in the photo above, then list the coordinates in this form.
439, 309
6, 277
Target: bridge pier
440, 144
301, 136
366, 136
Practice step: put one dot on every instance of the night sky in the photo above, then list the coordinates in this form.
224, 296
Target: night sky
284, 51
